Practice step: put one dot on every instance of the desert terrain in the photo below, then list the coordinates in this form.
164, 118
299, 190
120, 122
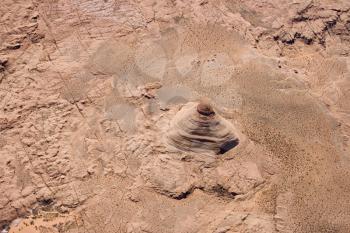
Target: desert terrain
174, 116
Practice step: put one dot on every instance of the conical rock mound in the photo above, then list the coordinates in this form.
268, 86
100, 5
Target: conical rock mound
198, 128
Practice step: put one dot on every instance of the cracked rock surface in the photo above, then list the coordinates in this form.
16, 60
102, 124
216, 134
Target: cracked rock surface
90, 91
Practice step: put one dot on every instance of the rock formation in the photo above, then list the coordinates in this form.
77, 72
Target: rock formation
198, 128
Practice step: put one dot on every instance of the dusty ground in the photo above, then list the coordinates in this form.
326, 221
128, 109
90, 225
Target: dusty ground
90, 89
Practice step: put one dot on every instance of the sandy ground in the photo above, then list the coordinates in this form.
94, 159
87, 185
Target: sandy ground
93, 91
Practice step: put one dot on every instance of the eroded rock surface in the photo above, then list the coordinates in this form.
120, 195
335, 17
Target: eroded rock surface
90, 91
